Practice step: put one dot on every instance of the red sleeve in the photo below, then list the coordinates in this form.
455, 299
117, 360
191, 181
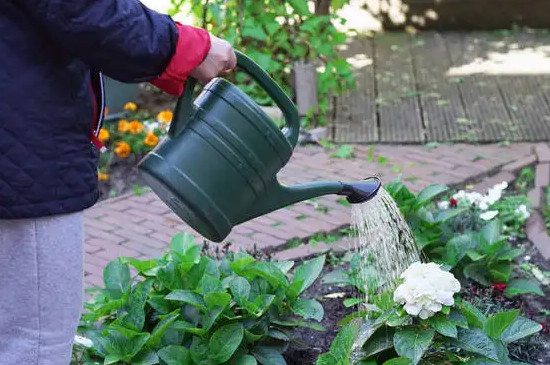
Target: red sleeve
192, 48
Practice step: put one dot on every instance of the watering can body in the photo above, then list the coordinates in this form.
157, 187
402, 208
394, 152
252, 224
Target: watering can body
218, 165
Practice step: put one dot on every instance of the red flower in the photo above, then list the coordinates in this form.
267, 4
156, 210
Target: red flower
500, 286
544, 327
453, 202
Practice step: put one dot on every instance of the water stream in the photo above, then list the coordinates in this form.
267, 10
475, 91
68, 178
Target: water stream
386, 248
384, 241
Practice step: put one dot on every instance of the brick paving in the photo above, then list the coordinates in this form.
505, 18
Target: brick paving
141, 226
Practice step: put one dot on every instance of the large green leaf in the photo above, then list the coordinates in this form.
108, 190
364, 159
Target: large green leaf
474, 315
380, 340
135, 319
456, 248
140, 266
429, 193
445, 215
148, 357
116, 277
307, 273
519, 328
500, 271
210, 317
215, 299
478, 272
300, 7
244, 360
268, 355
161, 328
297, 323
240, 288
241, 263
188, 297
412, 342
268, 271
225, 341
175, 355
476, 341
491, 231
398, 361
498, 322
181, 242
308, 309
443, 325
523, 286
118, 347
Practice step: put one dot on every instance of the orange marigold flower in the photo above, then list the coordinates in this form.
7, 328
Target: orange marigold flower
123, 149
102, 177
123, 126
130, 106
135, 127
151, 139
103, 135
165, 116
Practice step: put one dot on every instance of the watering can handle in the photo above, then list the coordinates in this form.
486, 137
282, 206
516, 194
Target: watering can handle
292, 128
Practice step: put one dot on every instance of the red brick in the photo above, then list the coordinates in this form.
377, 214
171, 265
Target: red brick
97, 233
114, 251
92, 281
519, 164
145, 250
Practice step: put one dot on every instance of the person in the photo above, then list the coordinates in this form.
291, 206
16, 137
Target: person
54, 53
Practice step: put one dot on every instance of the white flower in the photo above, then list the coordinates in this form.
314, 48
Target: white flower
502, 186
493, 196
522, 211
152, 125
483, 205
83, 341
426, 288
444, 205
488, 215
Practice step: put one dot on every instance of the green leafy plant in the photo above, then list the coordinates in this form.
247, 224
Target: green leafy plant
276, 34
186, 308
459, 334
427, 223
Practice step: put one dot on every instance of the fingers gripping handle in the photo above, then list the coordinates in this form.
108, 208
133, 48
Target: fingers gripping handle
185, 107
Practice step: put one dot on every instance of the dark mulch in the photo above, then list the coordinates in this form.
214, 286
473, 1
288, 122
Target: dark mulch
319, 342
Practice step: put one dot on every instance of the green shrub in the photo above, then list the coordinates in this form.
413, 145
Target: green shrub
186, 308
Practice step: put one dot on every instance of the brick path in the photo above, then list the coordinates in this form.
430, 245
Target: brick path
141, 226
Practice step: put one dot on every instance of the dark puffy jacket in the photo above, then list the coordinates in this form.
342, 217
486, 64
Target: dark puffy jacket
50, 93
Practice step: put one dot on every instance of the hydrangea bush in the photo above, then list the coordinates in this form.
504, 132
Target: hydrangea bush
424, 321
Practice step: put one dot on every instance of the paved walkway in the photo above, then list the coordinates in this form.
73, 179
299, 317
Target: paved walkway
141, 226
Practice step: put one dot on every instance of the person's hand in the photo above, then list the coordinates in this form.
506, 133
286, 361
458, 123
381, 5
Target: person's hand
220, 60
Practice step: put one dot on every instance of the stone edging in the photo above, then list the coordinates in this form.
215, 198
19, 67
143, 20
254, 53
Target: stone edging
536, 226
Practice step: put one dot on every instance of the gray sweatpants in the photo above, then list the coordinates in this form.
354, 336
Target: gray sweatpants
41, 289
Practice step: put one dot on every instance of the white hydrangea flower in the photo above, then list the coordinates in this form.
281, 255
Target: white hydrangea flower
83, 341
444, 205
425, 289
488, 215
522, 211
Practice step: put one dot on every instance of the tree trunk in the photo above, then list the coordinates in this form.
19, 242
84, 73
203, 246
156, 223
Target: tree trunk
322, 7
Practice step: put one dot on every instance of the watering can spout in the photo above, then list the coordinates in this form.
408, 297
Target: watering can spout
279, 196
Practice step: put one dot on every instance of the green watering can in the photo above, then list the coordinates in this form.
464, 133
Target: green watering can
217, 167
